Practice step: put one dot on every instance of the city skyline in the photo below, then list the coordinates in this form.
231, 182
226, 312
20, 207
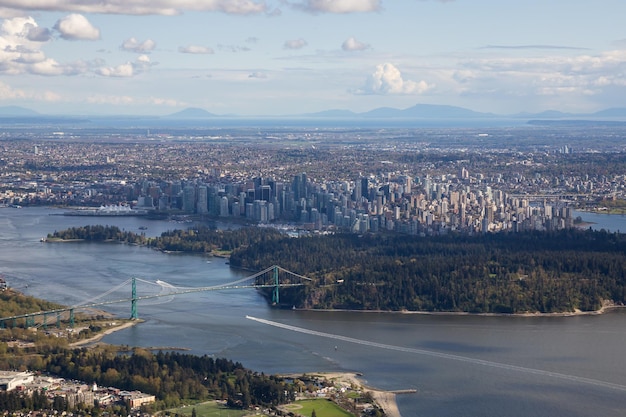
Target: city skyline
279, 57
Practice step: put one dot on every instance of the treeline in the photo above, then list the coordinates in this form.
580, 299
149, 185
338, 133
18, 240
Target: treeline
194, 239
206, 240
98, 233
11, 401
171, 376
544, 272
13, 303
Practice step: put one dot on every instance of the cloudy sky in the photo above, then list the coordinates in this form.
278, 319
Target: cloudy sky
275, 57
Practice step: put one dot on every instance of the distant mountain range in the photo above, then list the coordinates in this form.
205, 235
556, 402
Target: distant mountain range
13, 111
417, 112
431, 111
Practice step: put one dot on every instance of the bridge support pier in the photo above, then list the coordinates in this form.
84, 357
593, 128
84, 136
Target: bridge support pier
275, 294
133, 301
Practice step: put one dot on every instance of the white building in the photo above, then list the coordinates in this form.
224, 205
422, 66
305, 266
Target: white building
10, 380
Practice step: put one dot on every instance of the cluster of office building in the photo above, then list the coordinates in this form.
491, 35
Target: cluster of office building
398, 203
73, 393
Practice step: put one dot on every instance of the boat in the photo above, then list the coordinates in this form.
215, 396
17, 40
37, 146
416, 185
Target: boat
108, 210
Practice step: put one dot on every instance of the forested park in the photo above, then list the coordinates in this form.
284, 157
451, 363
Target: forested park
507, 273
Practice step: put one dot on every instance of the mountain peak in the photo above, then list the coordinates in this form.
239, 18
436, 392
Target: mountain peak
191, 113
17, 111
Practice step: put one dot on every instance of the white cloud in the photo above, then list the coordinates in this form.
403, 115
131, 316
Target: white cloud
9, 93
138, 7
29, 56
195, 49
133, 45
109, 99
351, 44
124, 100
38, 34
582, 75
20, 53
295, 44
122, 71
339, 6
258, 74
165, 102
47, 67
233, 48
76, 27
387, 79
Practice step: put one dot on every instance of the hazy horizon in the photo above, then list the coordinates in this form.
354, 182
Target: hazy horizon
274, 58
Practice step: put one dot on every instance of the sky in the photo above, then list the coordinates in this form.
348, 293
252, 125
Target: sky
287, 57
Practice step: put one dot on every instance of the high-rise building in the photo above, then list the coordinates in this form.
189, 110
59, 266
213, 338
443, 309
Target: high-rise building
224, 207
203, 200
189, 199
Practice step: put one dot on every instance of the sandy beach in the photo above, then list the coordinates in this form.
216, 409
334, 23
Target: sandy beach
100, 335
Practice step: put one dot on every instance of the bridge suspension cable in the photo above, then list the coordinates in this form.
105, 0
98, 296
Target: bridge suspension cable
104, 294
273, 282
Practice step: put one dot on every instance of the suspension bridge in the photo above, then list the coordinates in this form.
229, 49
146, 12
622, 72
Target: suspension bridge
273, 278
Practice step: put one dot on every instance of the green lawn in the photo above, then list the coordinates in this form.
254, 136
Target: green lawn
322, 407
208, 409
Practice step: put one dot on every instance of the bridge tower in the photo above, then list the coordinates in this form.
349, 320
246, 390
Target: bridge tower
275, 295
133, 302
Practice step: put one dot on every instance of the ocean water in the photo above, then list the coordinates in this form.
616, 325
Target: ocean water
460, 365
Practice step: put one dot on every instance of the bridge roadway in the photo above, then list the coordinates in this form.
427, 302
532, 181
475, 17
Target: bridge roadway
134, 298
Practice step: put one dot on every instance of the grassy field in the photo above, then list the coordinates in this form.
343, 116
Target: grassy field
322, 407
208, 409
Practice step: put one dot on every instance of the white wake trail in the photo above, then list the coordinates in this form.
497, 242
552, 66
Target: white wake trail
435, 354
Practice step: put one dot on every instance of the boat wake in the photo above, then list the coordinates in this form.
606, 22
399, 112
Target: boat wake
515, 368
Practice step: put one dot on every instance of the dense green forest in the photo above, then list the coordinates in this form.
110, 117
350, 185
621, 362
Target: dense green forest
11, 401
13, 303
196, 239
205, 240
98, 233
171, 376
546, 272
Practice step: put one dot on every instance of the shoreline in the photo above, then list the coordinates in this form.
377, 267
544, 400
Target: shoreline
99, 336
604, 309
386, 400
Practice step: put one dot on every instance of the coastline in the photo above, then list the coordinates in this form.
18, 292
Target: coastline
108, 331
607, 306
386, 400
